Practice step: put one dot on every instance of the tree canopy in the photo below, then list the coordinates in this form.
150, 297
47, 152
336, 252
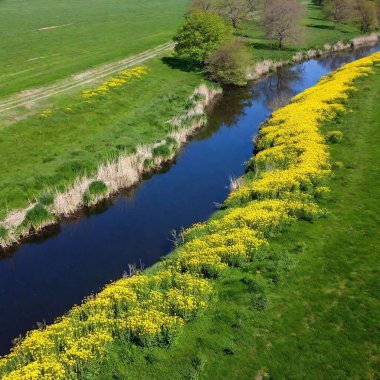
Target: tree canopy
201, 35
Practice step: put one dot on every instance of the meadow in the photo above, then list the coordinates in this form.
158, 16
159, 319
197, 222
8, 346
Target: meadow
42, 41
317, 31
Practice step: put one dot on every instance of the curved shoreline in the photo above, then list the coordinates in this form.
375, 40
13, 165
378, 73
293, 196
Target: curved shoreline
119, 174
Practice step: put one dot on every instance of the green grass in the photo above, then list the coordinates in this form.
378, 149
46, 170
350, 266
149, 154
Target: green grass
318, 320
96, 189
36, 216
92, 32
317, 32
41, 153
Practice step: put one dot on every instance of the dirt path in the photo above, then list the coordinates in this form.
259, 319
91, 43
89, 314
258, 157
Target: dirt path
29, 98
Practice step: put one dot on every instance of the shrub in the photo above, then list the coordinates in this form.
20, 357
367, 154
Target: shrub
338, 165
229, 63
95, 189
334, 137
162, 151
321, 191
148, 163
46, 199
37, 216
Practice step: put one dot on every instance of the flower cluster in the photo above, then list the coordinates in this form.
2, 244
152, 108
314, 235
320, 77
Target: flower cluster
121, 79
293, 155
46, 113
143, 309
151, 308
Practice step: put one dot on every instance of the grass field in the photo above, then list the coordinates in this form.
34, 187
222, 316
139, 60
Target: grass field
43, 40
43, 152
37, 154
317, 32
321, 320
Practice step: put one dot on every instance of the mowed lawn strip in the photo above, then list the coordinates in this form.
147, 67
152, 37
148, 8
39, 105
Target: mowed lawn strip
42, 41
321, 321
41, 153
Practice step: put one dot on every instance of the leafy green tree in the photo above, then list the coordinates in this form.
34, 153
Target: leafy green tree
201, 34
229, 63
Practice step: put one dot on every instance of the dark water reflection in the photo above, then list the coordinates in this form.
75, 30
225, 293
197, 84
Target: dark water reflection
46, 275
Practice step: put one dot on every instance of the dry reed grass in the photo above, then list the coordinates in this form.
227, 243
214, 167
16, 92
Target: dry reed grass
120, 173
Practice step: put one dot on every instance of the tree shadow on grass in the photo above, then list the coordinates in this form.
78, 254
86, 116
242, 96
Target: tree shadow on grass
318, 26
317, 18
270, 46
180, 64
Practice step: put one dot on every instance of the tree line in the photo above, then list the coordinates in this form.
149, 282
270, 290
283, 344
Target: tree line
366, 12
209, 37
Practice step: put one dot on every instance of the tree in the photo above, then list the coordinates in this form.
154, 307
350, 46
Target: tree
338, 10
367, 12
229, 63
233, 10
201, 34
281, 20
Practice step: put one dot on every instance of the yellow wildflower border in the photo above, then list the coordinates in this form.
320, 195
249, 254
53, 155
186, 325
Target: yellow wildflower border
151, 309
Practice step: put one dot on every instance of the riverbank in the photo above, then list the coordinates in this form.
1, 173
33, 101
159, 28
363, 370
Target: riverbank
126, 169
319, 316
65, 158
236, 237
111, 176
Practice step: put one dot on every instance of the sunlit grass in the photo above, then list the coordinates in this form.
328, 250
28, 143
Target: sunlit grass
321, 319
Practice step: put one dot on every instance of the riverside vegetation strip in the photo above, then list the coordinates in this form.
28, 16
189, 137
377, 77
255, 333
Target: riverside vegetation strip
64, 196
150, 309
129, 122
317, 284
71, 144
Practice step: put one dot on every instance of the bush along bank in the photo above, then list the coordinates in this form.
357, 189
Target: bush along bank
286, 176
112, 176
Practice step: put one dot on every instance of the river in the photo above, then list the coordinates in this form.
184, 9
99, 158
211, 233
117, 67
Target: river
46, 275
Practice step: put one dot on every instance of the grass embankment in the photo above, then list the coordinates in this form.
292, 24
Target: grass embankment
321, 320
236, 252
42, 41
50, 150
